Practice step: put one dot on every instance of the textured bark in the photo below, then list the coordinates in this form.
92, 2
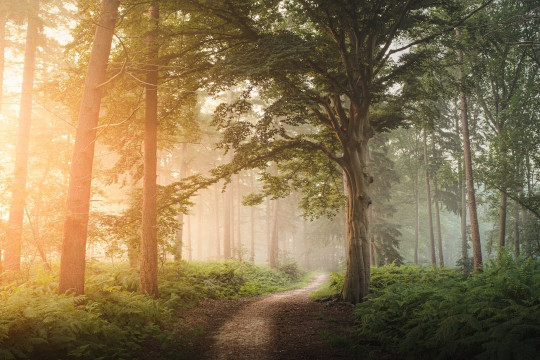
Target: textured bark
12, 255
471, 198
428, 202
149, 247
180, 216
72, 264
357, 276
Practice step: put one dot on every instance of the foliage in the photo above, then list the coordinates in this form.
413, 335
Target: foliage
424, 313
113, 321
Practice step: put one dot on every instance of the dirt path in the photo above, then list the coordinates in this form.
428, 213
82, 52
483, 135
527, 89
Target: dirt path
285, 325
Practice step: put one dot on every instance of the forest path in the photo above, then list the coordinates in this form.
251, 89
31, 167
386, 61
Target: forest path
284, 325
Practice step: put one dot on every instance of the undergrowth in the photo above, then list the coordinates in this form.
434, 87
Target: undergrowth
425, 313
113, 321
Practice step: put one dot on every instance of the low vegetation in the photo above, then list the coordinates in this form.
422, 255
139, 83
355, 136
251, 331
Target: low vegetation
113, 321
429, 313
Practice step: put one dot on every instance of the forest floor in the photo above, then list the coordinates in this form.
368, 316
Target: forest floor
284, 325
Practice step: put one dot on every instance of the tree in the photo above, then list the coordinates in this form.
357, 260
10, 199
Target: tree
149, 247
73, 257
325, 72
12, 256
428, 202
471, 198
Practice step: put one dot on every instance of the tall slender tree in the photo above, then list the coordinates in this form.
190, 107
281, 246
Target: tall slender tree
428, 202
73, 258
471, 198
149, 245
12, 256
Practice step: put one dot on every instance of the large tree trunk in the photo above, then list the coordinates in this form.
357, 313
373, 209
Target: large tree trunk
180, 217
12, 255
149, 247
357, 276
72, 264
428, 201
471, 199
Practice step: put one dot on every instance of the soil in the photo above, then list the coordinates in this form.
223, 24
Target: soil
285, 325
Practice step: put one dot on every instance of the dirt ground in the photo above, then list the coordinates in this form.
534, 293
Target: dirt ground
285, 325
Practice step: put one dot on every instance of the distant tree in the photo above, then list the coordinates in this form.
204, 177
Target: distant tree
12, 256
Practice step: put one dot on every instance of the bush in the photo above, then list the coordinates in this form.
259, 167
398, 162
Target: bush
421, 313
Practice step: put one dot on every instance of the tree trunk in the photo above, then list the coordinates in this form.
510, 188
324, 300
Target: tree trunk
149, 246
416, 223
12, 255
200, 230
3, 22
180, 217
216, 215
227, 241
516, 229
428, 201
274, 238
357, 276
502, 221
252, 223
437, 212
463, 207
189, 242
72, 264
238, 221
471, 199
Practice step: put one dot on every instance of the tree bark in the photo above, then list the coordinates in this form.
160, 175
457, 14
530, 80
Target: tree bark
502, 221
227, 206
72, 264
357, 276
416, 223
437, 212
463, 207
3, 22
180, 216
149, 246
238, 223
471, 199
428, 202
216, 215
252, 222
516, 229
274, 238
12, 255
